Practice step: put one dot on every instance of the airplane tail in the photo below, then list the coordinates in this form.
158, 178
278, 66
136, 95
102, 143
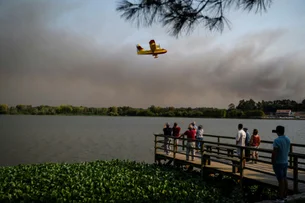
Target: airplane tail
152, 41
139, 48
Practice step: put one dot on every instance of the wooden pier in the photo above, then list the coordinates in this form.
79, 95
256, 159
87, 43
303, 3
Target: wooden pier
220, 157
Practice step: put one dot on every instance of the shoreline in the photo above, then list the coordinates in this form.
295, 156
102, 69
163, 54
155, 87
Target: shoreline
250, 118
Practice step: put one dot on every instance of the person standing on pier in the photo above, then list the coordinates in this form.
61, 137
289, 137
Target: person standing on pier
281, 147
176, 134
194, 125
199, 137
191, 140
255, 141
167, 133
240, 141
247, 151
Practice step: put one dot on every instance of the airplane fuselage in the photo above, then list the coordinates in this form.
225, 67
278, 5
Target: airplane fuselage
154, 49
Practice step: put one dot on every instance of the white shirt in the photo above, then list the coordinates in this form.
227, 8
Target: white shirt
199, 133
241, 138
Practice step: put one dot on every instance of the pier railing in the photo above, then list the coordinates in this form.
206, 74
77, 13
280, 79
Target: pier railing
225, 153
265, 144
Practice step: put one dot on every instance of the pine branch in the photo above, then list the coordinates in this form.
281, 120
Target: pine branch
185, 15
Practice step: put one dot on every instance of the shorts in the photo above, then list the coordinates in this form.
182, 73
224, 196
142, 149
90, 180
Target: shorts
280, 171
255, 152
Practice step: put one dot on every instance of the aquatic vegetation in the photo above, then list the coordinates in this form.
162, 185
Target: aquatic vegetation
109, 181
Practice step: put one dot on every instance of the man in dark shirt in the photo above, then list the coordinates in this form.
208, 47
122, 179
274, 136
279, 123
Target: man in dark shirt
167, 133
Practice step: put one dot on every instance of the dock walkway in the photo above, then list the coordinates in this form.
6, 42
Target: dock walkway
220, 157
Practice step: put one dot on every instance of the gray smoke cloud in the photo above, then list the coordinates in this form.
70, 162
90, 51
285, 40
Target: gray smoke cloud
43, 65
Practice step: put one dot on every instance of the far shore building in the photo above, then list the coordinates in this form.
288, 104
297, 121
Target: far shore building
283, 113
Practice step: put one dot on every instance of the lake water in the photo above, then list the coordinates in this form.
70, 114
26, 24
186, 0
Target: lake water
38, 139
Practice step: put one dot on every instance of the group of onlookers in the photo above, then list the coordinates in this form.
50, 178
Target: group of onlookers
281, 147
194, 134
243, 138
279, 158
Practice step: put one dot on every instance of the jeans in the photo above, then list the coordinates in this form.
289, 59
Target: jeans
190, 148
166, 145
199, 143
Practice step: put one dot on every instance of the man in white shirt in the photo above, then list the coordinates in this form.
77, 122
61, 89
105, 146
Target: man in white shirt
241, 141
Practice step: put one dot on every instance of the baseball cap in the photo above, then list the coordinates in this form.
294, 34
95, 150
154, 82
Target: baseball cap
279, 129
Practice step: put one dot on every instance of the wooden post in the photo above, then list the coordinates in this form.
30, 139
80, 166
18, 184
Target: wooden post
290, 157
209, 150
202, 160
241, 168
295, 174
183, 144
155, 147
218, 139
175, 145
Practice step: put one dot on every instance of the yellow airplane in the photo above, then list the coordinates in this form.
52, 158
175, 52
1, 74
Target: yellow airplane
154, 49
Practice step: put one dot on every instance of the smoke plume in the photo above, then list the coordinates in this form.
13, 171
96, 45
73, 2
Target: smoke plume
44, 64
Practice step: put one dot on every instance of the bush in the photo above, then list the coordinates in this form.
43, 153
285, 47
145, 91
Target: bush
106, 181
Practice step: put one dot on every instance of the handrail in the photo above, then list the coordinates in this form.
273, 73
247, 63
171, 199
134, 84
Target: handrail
207, 146
232, 145
292, 145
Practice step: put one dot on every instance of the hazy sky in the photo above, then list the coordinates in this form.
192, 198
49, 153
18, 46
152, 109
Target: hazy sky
83, 53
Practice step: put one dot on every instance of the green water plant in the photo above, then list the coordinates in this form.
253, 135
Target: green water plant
106, 181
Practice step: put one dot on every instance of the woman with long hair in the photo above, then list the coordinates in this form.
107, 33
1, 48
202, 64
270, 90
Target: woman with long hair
255, 141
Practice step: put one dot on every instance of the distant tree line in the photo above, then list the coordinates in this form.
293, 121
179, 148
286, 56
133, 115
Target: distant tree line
245, 109
270, 106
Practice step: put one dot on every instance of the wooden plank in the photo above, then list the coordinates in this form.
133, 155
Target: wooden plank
249, 174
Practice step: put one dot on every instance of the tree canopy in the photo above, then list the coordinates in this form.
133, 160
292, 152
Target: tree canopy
185, 15
244, 109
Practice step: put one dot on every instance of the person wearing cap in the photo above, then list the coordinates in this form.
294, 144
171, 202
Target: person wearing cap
281, 147
167, 130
